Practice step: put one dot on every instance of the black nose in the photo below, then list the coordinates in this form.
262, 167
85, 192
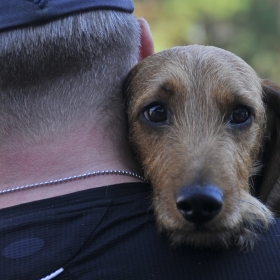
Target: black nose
199, 204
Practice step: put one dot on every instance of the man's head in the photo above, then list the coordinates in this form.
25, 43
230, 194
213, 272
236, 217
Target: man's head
66, 69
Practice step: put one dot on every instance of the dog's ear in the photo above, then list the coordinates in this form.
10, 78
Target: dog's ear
269, 188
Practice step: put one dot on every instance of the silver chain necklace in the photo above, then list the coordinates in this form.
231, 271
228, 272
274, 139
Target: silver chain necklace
74, 178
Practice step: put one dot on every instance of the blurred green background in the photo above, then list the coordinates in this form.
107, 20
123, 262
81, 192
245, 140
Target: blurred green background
248, 28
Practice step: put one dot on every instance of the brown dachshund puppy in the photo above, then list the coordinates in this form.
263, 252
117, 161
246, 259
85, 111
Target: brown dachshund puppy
203, 125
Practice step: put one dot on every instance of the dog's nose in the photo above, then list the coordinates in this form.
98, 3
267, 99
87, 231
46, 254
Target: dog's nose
199, 204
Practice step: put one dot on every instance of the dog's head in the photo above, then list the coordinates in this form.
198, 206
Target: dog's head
197, 123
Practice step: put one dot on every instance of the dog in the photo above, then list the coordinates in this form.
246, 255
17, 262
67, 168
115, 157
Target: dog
205, 129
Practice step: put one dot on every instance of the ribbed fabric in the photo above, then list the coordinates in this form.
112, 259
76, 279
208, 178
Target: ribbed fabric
14, 13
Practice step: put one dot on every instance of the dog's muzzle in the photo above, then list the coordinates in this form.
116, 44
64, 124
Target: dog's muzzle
199, 204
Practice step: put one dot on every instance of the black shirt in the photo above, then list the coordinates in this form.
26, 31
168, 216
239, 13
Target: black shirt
110, 233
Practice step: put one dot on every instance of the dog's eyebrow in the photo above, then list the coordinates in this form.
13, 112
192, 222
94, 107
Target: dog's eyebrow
245, 98
167, 88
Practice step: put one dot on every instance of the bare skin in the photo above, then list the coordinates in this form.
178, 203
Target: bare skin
77, 151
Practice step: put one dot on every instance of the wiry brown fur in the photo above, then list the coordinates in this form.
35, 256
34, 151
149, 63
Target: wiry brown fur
200, 86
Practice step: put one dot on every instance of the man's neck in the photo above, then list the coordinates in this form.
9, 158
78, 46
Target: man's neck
76, 152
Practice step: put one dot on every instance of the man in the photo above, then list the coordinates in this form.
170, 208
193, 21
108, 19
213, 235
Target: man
62, 118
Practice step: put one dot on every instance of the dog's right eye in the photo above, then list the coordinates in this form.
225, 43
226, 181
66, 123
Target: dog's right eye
155, 113
240, 115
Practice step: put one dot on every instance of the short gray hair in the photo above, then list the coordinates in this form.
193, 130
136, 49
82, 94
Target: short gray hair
65, 71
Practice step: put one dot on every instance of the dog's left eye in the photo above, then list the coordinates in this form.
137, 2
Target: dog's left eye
240, 115
156, 113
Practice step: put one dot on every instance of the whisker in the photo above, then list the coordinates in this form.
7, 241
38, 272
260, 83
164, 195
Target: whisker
245, 201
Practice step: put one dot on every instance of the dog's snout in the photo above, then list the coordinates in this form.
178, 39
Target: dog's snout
199, 204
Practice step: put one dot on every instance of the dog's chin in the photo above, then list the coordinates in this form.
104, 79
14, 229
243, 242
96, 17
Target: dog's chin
203, 238
200, 239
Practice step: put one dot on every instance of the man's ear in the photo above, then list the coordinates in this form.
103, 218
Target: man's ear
147, 43
270, 186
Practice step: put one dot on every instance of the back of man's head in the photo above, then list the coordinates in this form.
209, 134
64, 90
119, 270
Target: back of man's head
66, 70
